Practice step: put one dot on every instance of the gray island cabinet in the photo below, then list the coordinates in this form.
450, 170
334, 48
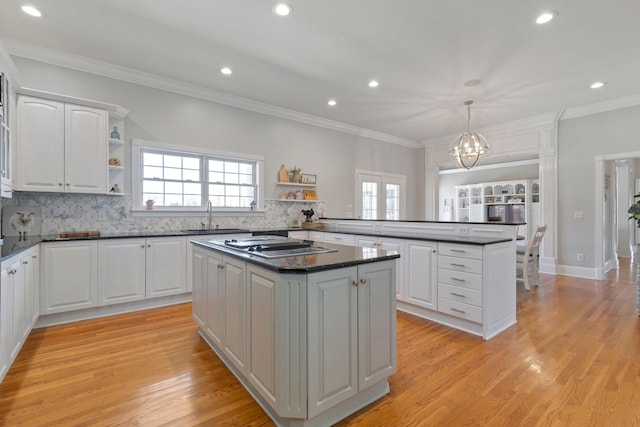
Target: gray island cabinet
312, 338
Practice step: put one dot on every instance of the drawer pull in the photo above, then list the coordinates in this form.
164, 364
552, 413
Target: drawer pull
458, 250
457, 280
354, 283
457, 310
457, 295
457, 265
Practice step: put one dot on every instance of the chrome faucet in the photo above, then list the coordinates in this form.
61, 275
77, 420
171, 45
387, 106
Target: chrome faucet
209, 211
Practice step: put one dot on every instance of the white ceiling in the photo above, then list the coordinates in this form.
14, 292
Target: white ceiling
421, 51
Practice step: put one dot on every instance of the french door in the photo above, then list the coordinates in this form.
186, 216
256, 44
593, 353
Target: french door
380, 196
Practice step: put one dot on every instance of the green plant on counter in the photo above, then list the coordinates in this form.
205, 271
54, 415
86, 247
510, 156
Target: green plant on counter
634, 210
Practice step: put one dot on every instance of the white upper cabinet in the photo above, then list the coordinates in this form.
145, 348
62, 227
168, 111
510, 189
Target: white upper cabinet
61, 147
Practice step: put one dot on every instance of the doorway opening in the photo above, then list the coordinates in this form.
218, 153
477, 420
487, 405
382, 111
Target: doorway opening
617, 181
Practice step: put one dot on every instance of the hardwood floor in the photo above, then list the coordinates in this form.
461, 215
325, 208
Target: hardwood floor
573, 359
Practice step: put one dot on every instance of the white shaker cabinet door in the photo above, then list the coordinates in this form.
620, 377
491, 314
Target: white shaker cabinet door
86, 147
332, 339
69, 276
213, 290
235, 344
40, 145
166, 266
121, 270
421, 274
376, 323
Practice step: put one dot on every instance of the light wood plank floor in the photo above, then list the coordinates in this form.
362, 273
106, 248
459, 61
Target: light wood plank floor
573, 359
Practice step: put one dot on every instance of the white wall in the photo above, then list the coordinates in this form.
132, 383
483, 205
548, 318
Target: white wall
580, 140
168, 117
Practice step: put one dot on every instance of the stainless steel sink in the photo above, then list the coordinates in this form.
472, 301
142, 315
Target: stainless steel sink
216, 231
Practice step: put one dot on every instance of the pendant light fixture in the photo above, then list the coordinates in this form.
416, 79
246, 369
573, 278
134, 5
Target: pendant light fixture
469, 146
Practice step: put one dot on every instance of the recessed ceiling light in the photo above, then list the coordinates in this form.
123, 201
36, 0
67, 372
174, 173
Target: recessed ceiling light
226, 71
282, 9
597, 85
545, 17
471, 83
374, 83
332, 103
30, 10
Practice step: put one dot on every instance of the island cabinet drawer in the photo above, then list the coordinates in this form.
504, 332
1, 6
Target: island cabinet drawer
459, 309
460, 264
460, 278
456, 293
462, 251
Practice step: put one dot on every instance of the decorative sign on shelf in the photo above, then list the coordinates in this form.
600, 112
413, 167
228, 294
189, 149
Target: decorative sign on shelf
310, 195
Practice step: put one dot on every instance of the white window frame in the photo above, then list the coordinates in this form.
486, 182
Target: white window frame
138, 145
382, 179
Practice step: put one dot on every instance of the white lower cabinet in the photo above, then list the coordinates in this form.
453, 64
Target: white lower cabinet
166, 266
69, 276
19, 305
420, 264
302, 343
121, 270
351, 332
234, 297
84, 274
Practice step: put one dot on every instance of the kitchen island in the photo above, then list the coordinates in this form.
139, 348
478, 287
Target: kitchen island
312, 337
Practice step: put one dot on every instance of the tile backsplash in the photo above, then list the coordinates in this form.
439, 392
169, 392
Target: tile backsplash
111, 214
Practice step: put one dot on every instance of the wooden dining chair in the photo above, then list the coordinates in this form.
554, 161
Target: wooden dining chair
527, 259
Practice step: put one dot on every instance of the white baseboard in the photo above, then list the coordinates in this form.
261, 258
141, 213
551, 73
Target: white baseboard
582, 272
109, 310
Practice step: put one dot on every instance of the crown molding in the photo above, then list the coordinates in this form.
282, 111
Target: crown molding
601, 107
542, 122
75, 62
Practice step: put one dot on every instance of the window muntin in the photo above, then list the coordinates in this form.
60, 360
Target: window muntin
231, 183
186, 180
369, 200
171, 179
393, 201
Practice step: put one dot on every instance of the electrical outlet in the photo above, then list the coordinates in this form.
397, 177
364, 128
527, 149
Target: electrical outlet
581, 257
463, 230
578, 215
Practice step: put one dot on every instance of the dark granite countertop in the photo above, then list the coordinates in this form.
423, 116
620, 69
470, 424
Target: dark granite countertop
469, 240
13, 246
346, 256
424, 221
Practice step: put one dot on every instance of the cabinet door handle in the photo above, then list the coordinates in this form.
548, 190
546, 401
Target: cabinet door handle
363, 280
68, 185
149, 246
457, 310
457, 265
457, 295
25, 262
220, 266
354, 283
34, 256
60, 184
142, 246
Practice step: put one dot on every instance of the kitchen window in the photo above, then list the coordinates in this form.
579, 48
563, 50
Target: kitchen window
380, 196
186, 179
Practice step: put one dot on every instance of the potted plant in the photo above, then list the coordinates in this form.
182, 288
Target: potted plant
634, 210
149, 204
294, 174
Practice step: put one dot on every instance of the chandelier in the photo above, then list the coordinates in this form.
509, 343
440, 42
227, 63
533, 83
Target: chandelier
469, 146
